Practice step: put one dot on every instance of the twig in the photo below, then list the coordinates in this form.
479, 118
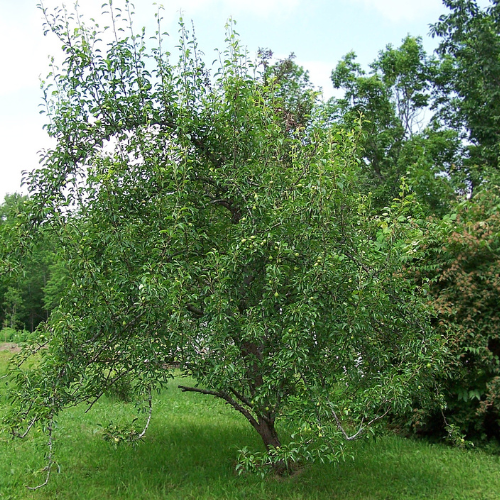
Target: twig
21, 436
361, 427
49, 458
150, 401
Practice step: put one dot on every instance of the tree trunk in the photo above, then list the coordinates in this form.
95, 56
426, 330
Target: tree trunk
269, 436
263, 424
268, 433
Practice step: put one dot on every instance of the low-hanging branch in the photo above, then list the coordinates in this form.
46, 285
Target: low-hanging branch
226, 398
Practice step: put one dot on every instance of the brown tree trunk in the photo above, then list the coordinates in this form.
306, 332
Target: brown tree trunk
269, 436
263, 424
267, 432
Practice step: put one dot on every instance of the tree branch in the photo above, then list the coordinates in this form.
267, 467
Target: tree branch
150, 402
50, 461
226, 398
361, 427
194, 310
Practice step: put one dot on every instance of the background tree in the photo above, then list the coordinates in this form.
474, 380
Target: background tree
453, 153
467, 95
25, 268
291, 84
209, 233
391, 103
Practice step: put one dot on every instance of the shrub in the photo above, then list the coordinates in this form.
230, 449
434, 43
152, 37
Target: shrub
18, 336
121, 390
460, 257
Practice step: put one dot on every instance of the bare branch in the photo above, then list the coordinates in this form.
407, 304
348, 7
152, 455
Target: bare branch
21, 436
49, 459
150, 402
361, 427
226, 398
194, 310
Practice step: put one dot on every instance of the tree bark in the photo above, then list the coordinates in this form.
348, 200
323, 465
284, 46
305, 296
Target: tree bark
267, 431
268, 434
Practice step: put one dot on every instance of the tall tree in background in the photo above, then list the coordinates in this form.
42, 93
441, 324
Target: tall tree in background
391, 103
467, 88
24, 268
292, 86
10, 297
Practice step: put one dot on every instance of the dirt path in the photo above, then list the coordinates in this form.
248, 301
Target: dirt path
9, 346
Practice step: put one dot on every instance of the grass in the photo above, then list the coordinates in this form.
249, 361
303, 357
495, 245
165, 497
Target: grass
189, 453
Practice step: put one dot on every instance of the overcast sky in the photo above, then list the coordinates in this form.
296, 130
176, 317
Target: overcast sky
319, 32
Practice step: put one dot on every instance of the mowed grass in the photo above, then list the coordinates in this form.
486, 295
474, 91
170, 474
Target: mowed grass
190, 451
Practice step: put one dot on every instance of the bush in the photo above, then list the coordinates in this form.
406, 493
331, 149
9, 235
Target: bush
18, 336
460, 257
121, 390
6, 334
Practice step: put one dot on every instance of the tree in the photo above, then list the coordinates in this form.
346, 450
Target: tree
12, 305
292, 86
466, 90
24, 273
367, 100
391, 102
11, 300
199, 228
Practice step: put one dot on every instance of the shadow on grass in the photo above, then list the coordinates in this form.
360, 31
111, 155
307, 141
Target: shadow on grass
190, 453
193, 461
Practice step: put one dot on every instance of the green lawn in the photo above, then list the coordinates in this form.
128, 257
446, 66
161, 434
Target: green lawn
189, 453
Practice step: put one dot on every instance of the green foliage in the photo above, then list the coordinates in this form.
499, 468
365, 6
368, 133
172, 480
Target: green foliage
455, 154
433, 120
8, 334
199, 228
466, 87
28, 268
456, 438
56, 286
390, 102
12, 307
122, 390
118, 434
292, 87
431, 158
460, 255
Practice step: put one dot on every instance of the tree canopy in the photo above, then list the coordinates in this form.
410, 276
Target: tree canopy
400, 138
467, 95
209, 220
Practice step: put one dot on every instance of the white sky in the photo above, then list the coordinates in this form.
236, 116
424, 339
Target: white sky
319, 32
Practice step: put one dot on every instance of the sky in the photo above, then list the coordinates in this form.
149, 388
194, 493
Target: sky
318, 32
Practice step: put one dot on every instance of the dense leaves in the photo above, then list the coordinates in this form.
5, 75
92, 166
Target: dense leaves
467, 90
391, 104
26, 259
215, 223
460, 254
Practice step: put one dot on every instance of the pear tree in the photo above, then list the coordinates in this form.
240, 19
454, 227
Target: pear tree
201, 231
